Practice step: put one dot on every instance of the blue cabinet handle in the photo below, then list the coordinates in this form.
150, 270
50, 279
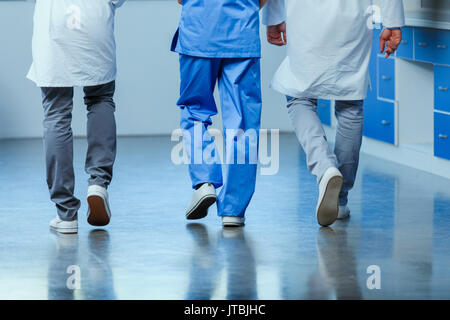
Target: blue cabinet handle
441, 46
386, 78
405, 41
443, 136
423, 44
323, 105
385, 123
443, 89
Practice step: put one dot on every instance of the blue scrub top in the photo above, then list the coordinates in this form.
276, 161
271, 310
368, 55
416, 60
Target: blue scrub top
219, 29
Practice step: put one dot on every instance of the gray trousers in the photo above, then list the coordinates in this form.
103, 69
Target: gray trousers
58, 143
310, 132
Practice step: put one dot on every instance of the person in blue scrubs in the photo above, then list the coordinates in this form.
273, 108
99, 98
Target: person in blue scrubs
218, 41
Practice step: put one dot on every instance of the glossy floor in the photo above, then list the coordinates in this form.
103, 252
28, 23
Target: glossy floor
398, 231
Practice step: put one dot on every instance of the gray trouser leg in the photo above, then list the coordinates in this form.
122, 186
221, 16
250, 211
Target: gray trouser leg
310, 133
350, 118
309, 130
58, 145
101, 133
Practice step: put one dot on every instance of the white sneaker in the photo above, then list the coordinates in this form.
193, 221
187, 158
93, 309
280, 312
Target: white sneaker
344, 212
233, 221
328, 204
65, 227
99, 213
202, 199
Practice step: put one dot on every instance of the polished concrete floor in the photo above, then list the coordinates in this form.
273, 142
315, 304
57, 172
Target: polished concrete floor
400, 224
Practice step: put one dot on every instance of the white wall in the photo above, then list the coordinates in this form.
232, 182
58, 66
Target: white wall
148, 80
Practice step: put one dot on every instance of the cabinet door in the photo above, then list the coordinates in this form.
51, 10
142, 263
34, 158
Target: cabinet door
379, 120
441, 46
324, 111
442, 88
386, 78
406, 48
442, 135
423, 44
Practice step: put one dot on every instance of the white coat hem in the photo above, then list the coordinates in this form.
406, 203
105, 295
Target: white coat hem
66, 85
297, 94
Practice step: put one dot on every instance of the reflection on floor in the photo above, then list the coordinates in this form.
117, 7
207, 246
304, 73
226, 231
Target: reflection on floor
400, 224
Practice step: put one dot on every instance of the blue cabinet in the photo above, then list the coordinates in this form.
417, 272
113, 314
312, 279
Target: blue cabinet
442, 88
432, 45
442, 135
379, 120
419, 44
441, 43
324, 111
406, 48
423, 44
379, 115
386, 78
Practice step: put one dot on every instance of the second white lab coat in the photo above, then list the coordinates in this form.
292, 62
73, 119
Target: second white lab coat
73, 43
329, 45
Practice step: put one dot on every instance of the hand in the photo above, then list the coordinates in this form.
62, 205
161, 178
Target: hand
180, 1
390, 40
276, 35
262, 3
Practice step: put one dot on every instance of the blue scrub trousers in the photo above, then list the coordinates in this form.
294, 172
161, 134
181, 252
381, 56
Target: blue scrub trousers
239, 84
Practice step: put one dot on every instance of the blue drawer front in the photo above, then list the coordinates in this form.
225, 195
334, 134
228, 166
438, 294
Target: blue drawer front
386, 78
423, 44
324, 111
406, 48
442, 47
442, 88
432, 45
379, 120
442, 135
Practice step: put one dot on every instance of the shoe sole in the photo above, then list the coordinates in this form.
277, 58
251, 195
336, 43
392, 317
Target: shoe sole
201, 209
328, 209
98, 215
233, 224
344, 217
65, 230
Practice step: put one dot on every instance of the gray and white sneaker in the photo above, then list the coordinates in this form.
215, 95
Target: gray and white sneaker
328, 205
202, 199
344, 212
65, 227
233, 221
99, 213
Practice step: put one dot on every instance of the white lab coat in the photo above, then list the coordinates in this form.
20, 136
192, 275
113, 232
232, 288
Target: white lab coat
329, 45
73, 43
